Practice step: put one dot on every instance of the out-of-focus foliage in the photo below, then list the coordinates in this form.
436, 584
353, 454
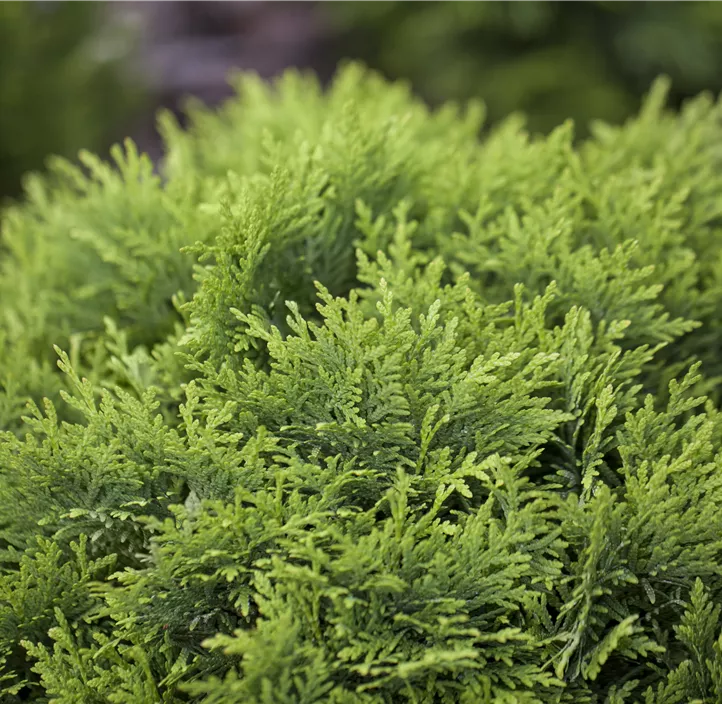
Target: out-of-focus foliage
551, 60
60, 84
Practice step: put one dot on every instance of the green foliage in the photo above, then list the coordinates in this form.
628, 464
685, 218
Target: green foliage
550, 60
61, 85
353, 407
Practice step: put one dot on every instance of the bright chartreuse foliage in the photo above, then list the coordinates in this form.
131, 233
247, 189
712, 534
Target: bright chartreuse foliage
354, 407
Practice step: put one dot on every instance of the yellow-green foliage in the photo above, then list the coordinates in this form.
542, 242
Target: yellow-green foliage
412, 417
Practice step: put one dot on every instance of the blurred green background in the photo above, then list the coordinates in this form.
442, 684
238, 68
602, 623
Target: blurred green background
550, 60
81, 75
62, 85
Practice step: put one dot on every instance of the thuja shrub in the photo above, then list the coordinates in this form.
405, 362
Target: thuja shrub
354, 407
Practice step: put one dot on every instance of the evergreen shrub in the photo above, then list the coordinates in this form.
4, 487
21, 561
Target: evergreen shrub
355, 407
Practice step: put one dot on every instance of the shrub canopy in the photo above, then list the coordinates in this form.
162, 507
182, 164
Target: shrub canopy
355, 407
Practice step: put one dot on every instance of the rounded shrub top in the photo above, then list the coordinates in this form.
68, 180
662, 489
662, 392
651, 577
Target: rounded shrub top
355, 406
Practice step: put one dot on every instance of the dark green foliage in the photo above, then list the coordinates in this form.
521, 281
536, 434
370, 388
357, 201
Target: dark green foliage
551, 60
61, 86
411, 418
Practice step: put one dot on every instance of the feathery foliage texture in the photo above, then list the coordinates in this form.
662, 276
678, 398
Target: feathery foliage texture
353, 407
551, 60
60, 87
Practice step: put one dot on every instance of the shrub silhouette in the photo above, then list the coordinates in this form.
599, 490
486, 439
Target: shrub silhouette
354, 407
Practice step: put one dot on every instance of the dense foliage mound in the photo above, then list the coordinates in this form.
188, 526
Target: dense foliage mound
353, 407
62, 84
552, 60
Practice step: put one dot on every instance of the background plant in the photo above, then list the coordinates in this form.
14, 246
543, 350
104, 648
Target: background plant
62, 85
551, 60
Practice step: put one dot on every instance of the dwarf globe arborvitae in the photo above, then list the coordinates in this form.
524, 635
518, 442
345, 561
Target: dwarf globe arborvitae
355, 406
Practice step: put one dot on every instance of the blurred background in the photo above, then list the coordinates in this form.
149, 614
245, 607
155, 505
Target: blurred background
83, 75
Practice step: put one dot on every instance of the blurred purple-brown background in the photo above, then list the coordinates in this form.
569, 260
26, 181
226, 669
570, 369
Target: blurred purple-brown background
190, 48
